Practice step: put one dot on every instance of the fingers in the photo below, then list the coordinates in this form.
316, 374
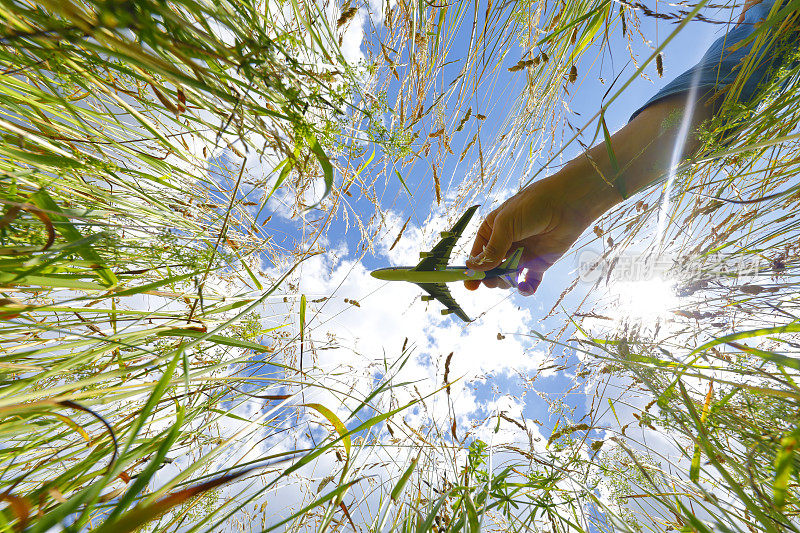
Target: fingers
494, 283
499, 282
484, 232
489, 251
526, 287
531, 282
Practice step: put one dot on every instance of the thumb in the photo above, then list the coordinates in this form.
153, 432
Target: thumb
495, 250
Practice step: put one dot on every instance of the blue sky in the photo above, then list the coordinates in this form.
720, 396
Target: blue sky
585, 100
495, 357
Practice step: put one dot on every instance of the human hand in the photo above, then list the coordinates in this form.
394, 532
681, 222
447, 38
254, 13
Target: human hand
544, 219
547, 217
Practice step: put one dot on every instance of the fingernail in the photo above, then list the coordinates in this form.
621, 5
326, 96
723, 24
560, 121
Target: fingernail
475, 259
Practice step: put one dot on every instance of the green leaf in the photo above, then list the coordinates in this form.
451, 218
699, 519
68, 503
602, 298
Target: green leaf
144, 477
472, 513
302, 316
427, 525
366, 400
612, 157
334, 420
91, 493
38, 265
302, 327
134, 519
592, 28
228, 307
361, 427
231, 415
72, 235
694, 468
561, 29
217, 339
403, 182
286, 167
154, 285
152, 401
614, 411
258, 284
336, 493
784, 464
702, 439
398, 488
794, 327
364, 164
325, 163
52, 280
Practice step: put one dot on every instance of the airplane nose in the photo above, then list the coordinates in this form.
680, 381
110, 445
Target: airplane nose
377, 274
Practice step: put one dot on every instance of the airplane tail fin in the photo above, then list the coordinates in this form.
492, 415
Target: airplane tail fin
512, 263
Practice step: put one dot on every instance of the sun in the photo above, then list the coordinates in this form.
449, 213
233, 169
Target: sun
643, 300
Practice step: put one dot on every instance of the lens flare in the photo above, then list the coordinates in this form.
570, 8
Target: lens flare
677, 155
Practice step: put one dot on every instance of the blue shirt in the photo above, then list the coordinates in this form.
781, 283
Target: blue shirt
718, 67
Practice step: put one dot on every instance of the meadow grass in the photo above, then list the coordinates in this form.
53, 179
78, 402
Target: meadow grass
130, 260
144, 144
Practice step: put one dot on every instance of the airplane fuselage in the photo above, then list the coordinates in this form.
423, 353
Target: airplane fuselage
446, 275
432, 275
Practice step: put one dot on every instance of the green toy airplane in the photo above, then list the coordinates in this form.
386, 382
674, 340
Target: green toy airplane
432, 272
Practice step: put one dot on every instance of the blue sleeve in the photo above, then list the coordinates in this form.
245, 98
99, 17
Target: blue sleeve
719, 66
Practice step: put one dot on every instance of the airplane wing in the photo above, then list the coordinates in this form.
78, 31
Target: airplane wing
442, 294
439, 256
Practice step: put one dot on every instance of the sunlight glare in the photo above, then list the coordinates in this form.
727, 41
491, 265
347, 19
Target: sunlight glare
643, 300
677, 154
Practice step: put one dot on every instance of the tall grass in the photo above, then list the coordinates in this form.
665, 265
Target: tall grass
692, 421
711, 398
149, 378
131, 257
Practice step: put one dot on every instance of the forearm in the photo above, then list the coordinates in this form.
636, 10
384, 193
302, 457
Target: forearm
644, 150
548, 216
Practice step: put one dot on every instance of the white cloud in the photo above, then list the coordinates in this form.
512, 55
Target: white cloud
352, 38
